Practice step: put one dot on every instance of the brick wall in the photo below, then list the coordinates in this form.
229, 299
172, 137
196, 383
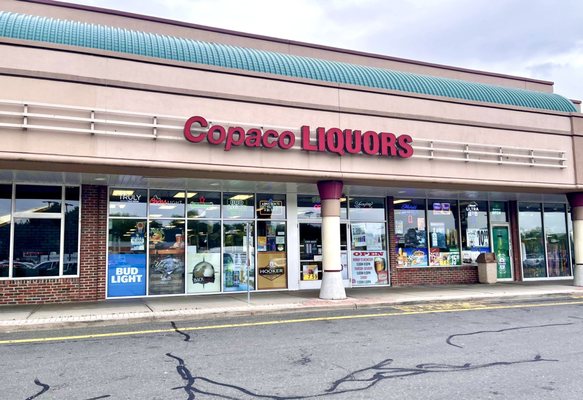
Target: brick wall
424, 275
90, 285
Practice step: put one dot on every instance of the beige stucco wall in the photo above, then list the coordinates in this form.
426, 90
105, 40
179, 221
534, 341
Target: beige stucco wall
270, 44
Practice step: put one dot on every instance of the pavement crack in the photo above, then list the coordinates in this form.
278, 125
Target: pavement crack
44, 386
186, 335
449, 340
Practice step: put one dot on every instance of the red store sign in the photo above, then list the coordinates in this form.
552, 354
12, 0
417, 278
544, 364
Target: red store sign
332, 140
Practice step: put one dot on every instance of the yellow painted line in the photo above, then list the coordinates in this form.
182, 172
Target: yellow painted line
407, 310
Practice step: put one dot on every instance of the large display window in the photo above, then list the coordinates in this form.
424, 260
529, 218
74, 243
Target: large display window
475, 230
39, 227
271, 255
368, 243
5, 221
166, 253
126, 266
531, 240
557, 240
204, 256
410, 232
444, 249
238, 256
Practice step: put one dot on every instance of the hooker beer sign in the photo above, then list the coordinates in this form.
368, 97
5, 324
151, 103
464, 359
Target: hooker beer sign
331, 140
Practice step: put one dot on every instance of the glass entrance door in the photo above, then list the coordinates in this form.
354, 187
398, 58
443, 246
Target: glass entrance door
311, 254
501, 239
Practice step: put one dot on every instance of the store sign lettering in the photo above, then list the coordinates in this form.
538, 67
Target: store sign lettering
332, 140
134, 198
126, 275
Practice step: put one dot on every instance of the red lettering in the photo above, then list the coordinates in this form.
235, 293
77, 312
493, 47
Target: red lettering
321, 139
253, 138
283, 136
352, 141
211, 134
188, 126
335, 141
306, 144
405, 148
370, 143
388, 144
231, 132
270, 133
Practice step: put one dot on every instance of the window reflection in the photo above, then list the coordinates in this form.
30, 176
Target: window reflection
557, 240
410, 232
38, 199
36, 247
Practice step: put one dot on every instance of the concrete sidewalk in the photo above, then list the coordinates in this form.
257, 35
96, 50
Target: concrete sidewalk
145, 309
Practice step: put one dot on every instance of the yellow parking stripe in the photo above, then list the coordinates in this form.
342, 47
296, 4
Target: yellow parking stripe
406, 310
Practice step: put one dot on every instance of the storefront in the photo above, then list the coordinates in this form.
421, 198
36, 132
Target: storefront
171, 159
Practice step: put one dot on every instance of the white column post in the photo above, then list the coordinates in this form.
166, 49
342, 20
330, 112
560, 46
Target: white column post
332, 287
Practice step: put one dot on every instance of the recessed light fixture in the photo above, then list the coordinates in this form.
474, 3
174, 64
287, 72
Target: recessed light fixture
181, 195
118, 192
215, 184
401, 201
100, 179
241, 197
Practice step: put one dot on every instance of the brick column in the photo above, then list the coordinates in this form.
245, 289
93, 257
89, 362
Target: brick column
92, 273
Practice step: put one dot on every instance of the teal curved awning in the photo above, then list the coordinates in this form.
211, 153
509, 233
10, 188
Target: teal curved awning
73, 33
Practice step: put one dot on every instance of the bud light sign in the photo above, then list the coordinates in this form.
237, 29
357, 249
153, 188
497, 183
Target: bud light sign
126, 275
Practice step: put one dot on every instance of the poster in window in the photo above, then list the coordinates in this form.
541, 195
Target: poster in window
271, 270
126, 275
204, 272
369, 268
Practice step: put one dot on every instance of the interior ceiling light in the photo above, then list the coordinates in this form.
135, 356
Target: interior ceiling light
118, 192
181, 195
241, 197
401, 201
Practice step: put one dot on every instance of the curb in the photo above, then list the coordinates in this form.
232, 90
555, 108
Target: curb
308, 306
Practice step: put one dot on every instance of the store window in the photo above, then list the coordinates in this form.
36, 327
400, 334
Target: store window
557, 240
128, 203
166, 251
310, 251
204, 256
367, 208
498, 211
271, 255
126, 261
271, 206
167, 203
368, 255
238, 205
410, 232
532, 246
204, 205
5, 221
444, 249
45, 220
238, 256
475, 232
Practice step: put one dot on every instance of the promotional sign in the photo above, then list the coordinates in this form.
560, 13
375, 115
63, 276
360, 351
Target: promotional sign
332, 140
271, 270
203, 272
126, 275
412, 257
369, 268
311, 272
235, 267
438, 258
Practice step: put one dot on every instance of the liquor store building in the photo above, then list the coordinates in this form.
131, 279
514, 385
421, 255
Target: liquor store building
148, 157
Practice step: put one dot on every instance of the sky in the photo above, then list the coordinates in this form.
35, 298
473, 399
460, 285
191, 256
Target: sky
540, 39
